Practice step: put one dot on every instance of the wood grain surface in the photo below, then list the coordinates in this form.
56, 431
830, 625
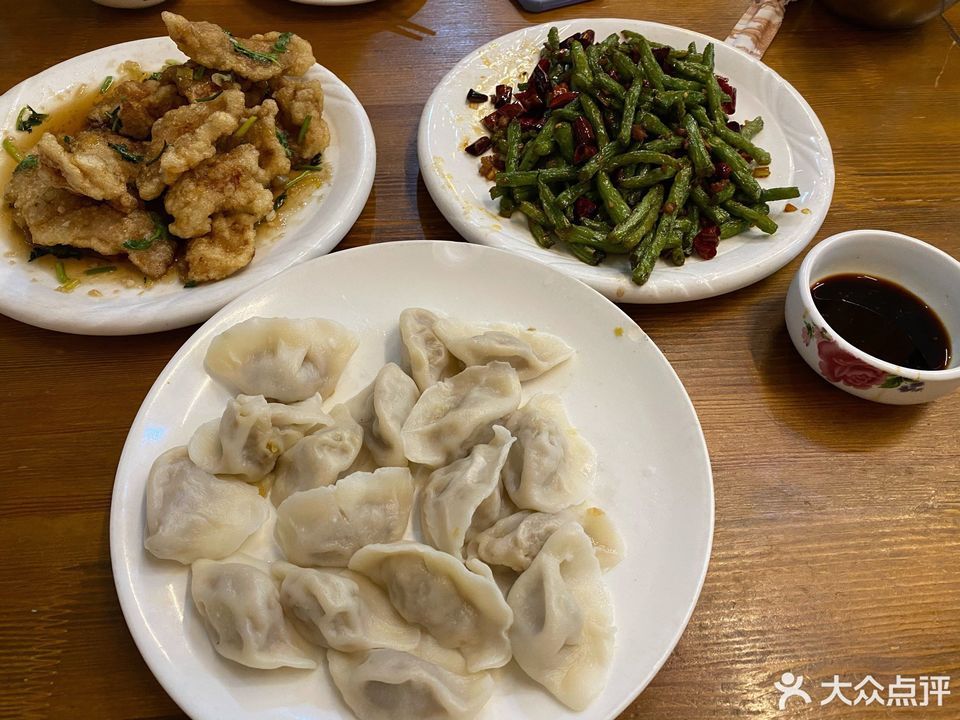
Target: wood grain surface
837, 522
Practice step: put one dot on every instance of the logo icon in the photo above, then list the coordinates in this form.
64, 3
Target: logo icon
789, 686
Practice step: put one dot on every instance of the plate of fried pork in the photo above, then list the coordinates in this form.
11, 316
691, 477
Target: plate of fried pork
147, 184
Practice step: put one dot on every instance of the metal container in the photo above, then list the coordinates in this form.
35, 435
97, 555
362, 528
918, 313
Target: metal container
889, 13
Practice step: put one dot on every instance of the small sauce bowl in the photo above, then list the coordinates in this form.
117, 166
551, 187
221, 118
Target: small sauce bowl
927, 272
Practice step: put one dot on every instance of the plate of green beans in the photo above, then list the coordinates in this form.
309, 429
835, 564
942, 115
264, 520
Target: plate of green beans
651, 162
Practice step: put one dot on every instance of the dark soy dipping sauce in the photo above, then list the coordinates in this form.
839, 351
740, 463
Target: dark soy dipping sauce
884, 320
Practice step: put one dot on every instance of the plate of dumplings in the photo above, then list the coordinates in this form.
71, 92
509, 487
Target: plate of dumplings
355, 494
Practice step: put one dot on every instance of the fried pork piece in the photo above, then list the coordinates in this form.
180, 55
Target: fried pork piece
186, 137
96, 164
196, 82
227, 248
300, 99
227, 183
260, 57
274, 160
52, 215
131, 107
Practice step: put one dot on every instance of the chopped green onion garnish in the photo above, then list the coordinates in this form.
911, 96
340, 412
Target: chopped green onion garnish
124, 152
208, 98
28, 119
115, 122
28, 163
100, 269
247, 124
280, 46
303, 128
279, 201
59, 251
282, 139
105, 85
61, 271
297, 179
12, 150
252, 54
315, 164
198, 73
159, 231
143, 243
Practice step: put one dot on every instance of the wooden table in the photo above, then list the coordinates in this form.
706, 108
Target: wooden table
838, 521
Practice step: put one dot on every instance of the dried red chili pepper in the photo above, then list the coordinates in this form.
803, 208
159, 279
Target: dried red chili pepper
584, 207
706, 241
479, 146
729, 107
584, 153
502, 96
583, 131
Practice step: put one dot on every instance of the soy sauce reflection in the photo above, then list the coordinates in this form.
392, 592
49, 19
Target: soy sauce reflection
883, 320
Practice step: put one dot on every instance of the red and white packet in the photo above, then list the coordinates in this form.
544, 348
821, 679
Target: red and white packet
758, 27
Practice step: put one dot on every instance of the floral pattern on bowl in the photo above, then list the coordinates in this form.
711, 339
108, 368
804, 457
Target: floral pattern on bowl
839, 366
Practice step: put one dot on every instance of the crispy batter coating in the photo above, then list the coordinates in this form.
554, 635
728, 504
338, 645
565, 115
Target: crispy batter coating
196, 82
274, 160
227, 248
140, 103
210, 46
89, 165
299, 99
52, 215
227, 183
174, 135
187, 136
186, 119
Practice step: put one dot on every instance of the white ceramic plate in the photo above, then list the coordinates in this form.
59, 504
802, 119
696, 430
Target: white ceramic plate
28, 292
654, 473
793, 134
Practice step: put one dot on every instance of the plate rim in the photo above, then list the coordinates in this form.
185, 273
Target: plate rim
626, 293
123, 580
362, 137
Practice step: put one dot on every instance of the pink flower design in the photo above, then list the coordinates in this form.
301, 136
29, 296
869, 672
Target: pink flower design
840, 366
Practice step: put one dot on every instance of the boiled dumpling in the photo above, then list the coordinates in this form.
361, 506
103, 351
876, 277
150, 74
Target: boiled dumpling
514, 541
429, 360
530, 352
240, 607
192, 514
562, 634
381, 410
454, 493
319, 458
550, 467
252, 433
281, 358
459, 605
393, 685
452, 416
325, 526
341, 609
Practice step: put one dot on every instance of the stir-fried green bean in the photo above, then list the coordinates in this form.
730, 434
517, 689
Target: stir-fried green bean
628, 153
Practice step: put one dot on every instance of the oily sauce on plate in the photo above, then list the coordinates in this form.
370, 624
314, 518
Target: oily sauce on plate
884, 320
